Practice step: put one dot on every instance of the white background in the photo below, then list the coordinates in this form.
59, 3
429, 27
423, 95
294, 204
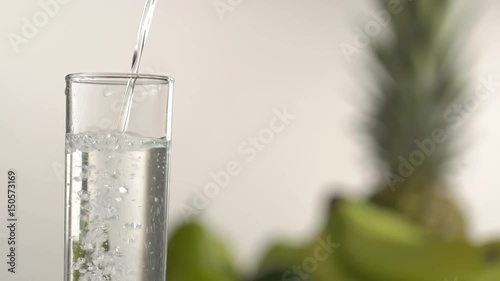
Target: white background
230, 75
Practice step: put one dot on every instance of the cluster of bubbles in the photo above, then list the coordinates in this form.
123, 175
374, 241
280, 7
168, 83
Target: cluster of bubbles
101, 200
109, 141
99, 207
96, 261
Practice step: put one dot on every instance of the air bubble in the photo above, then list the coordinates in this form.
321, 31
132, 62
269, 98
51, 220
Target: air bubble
111, 139
83, 195
123, 189
132, 225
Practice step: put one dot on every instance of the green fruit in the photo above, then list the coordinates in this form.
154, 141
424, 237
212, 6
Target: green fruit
488, 275
382, 245
333, 269
280, 258
317, 261
270, 276
194, 254
431, 208
416, 83
281, 261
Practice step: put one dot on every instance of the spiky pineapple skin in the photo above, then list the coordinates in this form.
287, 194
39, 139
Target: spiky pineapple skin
417, 85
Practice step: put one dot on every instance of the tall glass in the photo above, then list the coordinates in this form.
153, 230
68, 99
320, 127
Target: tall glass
117, 182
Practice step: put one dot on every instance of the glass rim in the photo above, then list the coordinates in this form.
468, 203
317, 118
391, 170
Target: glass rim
114, 78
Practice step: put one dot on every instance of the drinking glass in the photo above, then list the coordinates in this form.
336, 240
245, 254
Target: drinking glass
117, 181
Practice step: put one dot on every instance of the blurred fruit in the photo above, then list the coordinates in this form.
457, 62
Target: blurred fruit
414, 128
381, 245
432, 208
279, 261
359, 242
194, 254
334, 268
281, 256
288, 263
488, 275
318, 260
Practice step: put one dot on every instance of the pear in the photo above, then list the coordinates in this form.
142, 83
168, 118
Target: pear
333, 268
283, 260
194, 254
309, 262
279, 260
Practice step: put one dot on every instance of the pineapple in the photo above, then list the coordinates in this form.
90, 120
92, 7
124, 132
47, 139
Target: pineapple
412, 132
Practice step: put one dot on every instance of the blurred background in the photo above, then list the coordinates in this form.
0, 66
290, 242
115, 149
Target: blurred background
238, 66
